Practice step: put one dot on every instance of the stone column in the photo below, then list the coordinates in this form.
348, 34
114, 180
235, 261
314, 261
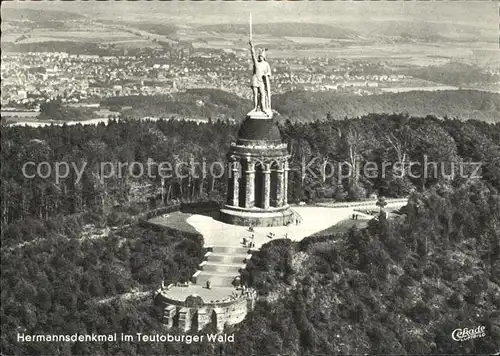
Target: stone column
168, 316
185, 319
250, 185
236, 184
267, 186
279, 186
220, 319
203, 318
285, 184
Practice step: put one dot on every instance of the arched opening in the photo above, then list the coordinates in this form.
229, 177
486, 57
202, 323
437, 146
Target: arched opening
214, 319
230, 183
242, 183
259, 185
194, 321
274, 184
176, 319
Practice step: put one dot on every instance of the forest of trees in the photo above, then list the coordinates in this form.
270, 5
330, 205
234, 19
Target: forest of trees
454, 73
375, 138
299, 106
55, 110
398, 286
218, 104
58, 285
463, 104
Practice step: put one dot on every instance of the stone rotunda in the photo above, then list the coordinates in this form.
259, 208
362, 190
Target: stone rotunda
258, 175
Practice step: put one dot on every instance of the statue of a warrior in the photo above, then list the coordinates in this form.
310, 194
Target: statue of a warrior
260, 83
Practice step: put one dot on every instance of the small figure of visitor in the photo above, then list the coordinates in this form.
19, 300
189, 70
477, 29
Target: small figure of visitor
237, 282
209, 285
248, 242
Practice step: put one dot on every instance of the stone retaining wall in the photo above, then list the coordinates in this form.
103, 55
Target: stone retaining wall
360, 203
189, 316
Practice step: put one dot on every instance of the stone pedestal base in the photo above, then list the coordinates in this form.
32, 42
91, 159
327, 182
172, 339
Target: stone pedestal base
260, 115
257, 217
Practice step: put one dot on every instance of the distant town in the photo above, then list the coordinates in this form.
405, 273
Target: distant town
31, 79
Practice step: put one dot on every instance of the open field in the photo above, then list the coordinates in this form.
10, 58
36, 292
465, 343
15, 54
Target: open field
407, 89
411, 53
40, 123
77, 36
308, 40
415, 52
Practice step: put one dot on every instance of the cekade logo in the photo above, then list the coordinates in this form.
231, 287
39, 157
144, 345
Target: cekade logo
468, 334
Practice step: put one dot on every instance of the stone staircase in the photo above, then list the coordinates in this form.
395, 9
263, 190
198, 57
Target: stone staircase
219, 267
222, 265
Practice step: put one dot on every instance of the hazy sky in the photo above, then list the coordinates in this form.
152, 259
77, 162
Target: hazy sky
479, 13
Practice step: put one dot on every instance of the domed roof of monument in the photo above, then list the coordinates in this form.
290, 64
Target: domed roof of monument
259, 130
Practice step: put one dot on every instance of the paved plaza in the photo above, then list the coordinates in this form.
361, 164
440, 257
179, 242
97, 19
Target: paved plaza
314, 221
219, 294
227, 256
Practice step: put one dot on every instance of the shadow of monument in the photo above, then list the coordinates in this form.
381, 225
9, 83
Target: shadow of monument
210, 209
